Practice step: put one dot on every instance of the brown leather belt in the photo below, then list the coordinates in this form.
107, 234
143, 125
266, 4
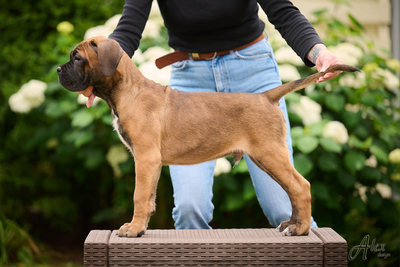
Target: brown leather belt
178, 55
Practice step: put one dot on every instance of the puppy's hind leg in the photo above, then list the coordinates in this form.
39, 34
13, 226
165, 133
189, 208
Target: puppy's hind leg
282, 171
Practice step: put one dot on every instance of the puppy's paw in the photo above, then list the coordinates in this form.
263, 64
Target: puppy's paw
131, 230
284, 225
294, 230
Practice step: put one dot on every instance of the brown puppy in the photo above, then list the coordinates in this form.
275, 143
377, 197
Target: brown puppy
161, 126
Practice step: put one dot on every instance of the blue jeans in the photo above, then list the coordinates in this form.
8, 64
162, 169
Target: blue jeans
251, 70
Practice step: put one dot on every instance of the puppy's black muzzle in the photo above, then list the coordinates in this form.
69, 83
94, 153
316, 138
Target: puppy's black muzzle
70, 78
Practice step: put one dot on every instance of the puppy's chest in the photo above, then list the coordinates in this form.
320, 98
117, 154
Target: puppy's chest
123, 136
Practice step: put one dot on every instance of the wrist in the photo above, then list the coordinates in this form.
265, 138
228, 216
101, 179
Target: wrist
314, 52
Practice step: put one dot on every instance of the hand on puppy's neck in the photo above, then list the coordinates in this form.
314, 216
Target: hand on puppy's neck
88, 92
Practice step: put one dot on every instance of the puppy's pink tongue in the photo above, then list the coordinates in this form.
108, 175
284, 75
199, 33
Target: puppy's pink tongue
90, 100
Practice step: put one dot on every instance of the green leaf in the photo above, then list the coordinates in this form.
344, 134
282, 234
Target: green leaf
320, 190
248, 190
82, 118
374, 200
107, 119
58, 109
315, 129
79, 138
127, 166
369, 99
330, 145
82, 138
240, 168
380, 154
354, 161
293, 98
296, 133
362, 131
355, 202
107, 215
357, 143
347, 180
355, 22
335, 102
370, 176
328, 162
307, 144
234, 202
303, 164
94, 159
350, 119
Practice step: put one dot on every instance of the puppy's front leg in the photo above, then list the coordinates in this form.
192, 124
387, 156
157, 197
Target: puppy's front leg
147, 175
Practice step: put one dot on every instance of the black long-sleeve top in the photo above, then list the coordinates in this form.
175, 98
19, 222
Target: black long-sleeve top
204, 26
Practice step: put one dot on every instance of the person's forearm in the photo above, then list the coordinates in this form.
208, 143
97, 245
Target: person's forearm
314, 52
323, 58
292, 25
131, 25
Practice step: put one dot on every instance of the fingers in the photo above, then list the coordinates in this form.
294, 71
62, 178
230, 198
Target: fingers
325, 60
328, 76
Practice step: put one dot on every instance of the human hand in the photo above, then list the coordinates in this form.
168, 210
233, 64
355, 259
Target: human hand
323, 58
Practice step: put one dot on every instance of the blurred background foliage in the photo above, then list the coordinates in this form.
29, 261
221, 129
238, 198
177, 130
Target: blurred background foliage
63, 170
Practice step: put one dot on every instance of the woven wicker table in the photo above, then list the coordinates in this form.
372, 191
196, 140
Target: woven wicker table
218, 247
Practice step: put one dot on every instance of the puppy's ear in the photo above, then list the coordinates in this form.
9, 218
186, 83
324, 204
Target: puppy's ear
109, 53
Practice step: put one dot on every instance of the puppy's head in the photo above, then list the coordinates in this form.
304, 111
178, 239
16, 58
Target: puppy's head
92, 62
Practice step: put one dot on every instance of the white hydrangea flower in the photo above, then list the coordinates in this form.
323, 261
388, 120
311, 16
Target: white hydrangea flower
148, 68
391, 81
112, 22
100, 30
350, 53
154, 52
18, 103
28, 97
155, 14
222, 166
288, 73
152, 29
353, 81
371, 162
150, 71
117, 154
362, 190
394, 156
310, 88
384, 190
287, 55
103, 30
337, 131
353, 108
154, 23
308, 110
394, 64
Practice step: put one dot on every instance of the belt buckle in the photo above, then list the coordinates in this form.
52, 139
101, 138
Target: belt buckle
196, 56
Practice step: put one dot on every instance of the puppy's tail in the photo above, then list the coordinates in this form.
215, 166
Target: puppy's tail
274, 95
